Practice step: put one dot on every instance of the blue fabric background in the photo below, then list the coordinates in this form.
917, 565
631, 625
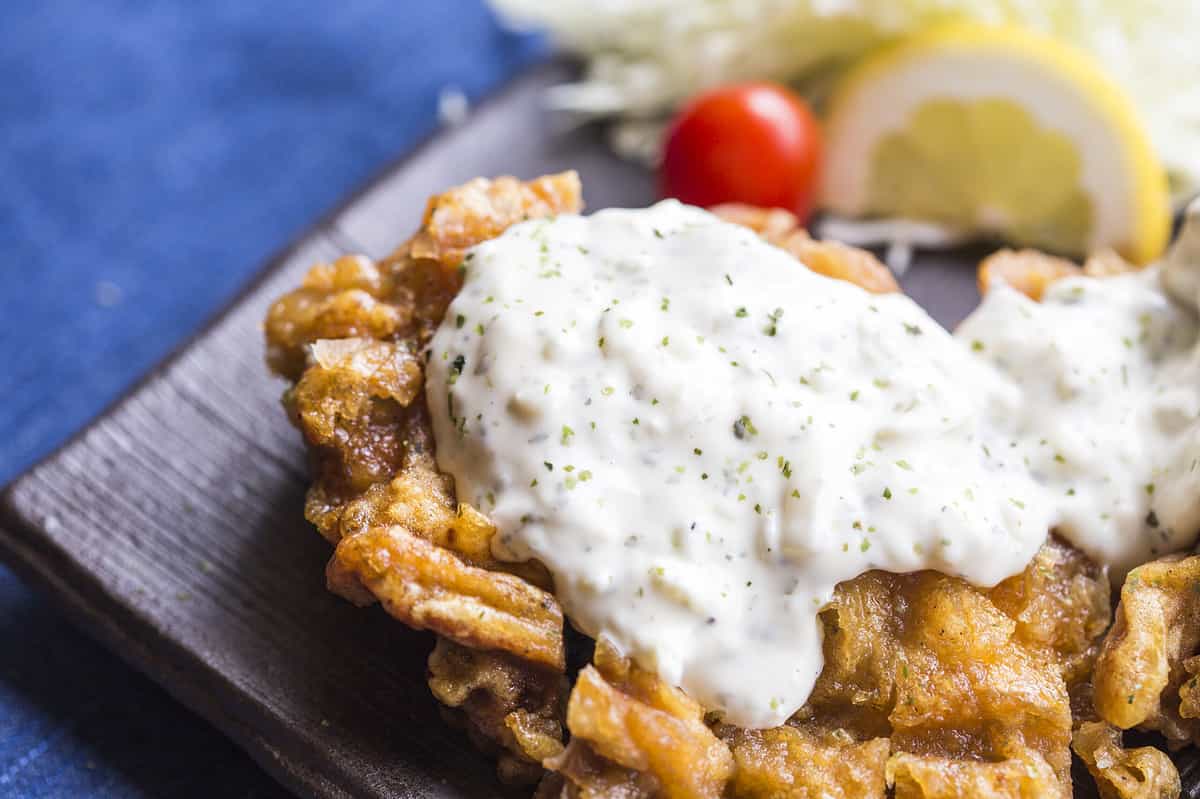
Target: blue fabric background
152, 154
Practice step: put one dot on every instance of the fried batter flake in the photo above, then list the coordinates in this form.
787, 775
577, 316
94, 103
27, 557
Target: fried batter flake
633, 719
503, 702
429, 588
1145, 675
830, 258
1031, 271
1141, 773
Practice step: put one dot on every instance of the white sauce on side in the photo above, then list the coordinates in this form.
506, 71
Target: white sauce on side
700, 438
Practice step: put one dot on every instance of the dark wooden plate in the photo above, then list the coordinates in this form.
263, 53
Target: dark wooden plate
171, 528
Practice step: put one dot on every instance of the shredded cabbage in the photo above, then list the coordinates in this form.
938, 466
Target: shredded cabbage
645, 56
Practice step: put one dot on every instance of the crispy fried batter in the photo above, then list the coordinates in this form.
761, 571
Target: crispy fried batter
429, 588
1141, 773
802, 761
1027, 271
953, 674
1031, 271
829, 258
634, 720
1145, 675
502, 701
347, 338
931, 685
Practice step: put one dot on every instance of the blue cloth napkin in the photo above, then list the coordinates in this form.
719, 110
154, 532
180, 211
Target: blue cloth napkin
152, 154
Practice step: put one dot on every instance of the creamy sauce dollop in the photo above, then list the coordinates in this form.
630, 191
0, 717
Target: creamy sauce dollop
700, 438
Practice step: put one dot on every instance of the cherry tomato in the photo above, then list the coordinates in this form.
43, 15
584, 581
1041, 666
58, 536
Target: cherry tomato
755, 143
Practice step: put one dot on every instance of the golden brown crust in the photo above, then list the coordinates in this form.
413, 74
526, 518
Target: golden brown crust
953, 674
505, 705
1031, 271
348, 338
798, 762
632, 719
1140, 773
829, 258
1145, 676
429, 588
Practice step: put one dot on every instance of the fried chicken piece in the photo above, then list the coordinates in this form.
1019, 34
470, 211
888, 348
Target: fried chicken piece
829, 258
646, 729
908, 694
1146, 675
1141, 773
503, 703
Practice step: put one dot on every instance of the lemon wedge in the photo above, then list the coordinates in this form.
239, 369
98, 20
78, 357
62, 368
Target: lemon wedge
996, 131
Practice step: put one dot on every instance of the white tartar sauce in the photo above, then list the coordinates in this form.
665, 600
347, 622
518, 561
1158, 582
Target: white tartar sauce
700, 438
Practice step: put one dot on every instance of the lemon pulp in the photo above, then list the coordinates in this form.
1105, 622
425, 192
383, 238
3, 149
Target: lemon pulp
996, 131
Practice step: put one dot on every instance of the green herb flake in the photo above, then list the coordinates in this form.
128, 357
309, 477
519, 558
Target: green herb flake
887, 493
744, 426
567, 432
460, 320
